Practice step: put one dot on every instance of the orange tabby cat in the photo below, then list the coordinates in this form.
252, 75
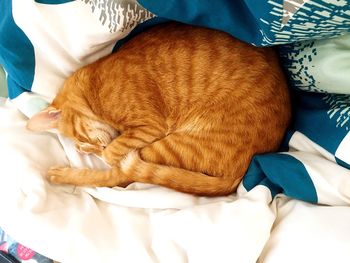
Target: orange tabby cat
192, 107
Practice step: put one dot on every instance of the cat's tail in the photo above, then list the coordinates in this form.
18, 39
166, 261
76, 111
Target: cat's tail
138, 170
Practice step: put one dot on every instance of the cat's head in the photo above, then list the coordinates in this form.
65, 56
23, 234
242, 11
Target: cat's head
71, 116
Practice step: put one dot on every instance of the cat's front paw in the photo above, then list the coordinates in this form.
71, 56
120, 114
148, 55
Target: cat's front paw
88, 148
59, 175
68, 175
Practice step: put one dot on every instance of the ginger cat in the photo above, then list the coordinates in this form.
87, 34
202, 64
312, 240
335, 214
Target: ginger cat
191, 105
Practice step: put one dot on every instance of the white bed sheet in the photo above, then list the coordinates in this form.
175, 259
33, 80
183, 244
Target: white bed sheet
146, 223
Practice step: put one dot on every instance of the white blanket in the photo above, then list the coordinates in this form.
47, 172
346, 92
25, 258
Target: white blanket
146, 223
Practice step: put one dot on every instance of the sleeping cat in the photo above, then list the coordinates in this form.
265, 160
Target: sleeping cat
178, 106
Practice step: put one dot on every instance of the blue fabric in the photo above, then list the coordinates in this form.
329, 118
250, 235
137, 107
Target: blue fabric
342, 163
259, 22
291, 60
281, 173
311, 117
16, 52
230, 16
53, 2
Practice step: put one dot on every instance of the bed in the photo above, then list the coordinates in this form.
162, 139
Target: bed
292, 206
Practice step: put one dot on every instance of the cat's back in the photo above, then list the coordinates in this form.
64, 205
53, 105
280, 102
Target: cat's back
175, 48
190, 64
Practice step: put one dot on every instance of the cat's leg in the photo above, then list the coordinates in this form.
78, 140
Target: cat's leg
131, 140
87, 177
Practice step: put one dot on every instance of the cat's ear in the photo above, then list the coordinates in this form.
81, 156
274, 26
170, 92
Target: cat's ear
44, 120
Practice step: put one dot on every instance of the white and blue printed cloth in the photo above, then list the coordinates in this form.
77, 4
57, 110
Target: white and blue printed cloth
44, 41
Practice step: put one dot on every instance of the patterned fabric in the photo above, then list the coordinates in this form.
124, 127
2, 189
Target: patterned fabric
319, 66
262, 23
119, 15
20, 252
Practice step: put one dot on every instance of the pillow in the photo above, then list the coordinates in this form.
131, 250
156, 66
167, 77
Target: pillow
44, 41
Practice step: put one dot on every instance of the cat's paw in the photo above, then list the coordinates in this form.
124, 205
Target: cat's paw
88, 148
67, 175
59, 175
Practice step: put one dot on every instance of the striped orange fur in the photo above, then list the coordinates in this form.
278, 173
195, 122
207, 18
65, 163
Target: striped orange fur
179, 106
